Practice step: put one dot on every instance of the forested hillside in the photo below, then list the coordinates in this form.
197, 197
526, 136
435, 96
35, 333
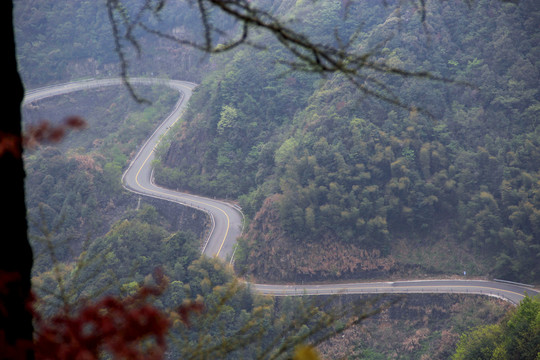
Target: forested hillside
73, 189
335, 184
340, 184
74, 40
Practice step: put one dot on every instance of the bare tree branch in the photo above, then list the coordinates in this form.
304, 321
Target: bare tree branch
361, 69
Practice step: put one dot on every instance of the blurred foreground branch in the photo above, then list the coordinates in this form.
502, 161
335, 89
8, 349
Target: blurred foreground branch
362, 68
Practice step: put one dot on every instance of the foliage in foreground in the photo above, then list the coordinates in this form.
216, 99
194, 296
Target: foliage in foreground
112, 300
517, 337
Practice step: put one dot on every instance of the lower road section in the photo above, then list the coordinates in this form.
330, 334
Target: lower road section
227, 218
507, 291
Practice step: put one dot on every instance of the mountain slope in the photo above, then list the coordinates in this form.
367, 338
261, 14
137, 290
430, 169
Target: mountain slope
367, 177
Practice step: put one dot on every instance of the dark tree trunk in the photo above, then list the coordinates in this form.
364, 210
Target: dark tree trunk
16, 259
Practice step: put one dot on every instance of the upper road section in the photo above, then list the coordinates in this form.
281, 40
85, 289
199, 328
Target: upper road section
227, 219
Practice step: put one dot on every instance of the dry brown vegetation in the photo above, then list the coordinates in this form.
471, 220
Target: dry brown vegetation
276, 257
420, 327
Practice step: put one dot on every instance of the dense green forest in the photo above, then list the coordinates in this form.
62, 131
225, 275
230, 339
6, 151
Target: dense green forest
73, 190
75, 40
238, 324
335, 184
516, 337
319, 166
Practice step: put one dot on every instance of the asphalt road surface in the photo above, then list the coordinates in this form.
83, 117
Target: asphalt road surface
227, 218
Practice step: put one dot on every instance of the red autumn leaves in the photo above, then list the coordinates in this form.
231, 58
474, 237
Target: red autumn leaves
124, 327
47, 132
43, 132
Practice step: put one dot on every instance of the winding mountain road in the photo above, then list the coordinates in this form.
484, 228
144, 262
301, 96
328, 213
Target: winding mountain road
227, 218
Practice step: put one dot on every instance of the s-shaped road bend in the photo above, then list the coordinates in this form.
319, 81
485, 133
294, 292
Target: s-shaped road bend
227, 219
